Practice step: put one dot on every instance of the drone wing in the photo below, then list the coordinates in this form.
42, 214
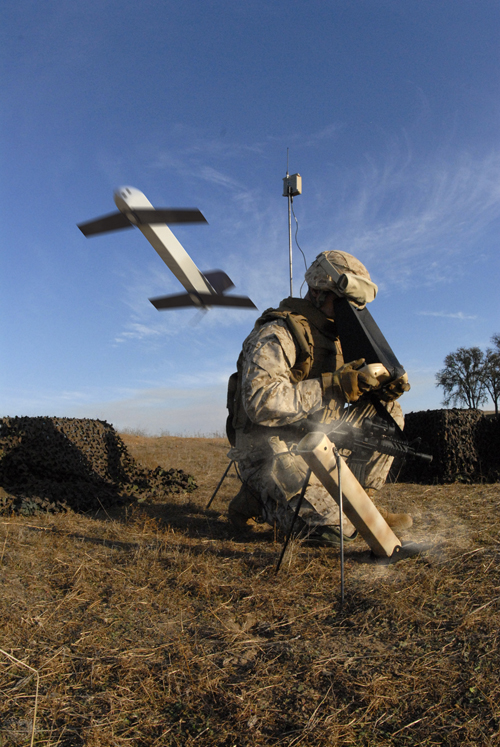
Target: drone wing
219, 281
203, 300
110, 222
140, 217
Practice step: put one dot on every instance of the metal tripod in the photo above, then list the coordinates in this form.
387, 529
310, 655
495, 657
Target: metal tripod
220, 483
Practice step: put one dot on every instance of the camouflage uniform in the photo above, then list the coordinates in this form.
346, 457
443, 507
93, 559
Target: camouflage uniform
276, 407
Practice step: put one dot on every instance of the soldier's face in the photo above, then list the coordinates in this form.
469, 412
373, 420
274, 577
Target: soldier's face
328, 307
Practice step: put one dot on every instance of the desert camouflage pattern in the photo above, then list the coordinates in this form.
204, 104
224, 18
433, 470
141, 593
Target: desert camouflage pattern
269, 396
316, 276
266, 464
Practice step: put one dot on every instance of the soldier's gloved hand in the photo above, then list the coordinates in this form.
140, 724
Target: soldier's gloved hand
348, 382
395, 389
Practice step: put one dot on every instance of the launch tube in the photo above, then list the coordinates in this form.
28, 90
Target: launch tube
318, 452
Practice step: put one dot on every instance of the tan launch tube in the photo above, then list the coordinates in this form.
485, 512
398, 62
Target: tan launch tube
317, 451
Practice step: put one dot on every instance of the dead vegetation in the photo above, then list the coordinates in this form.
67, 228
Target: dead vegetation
157, 626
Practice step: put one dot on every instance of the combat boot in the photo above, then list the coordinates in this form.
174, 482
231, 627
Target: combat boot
328, 536
395, 521
243, 507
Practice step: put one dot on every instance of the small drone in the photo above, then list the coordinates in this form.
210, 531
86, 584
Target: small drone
203, 289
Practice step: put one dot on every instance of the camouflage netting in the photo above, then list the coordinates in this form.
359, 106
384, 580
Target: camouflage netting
54, 464
465, 445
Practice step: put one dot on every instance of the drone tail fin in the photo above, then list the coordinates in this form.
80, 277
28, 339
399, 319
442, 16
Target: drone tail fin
201, 300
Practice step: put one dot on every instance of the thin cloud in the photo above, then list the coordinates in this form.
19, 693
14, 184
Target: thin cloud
411, 220
326, 133
138, 332
217, 177
192, 150
447, 315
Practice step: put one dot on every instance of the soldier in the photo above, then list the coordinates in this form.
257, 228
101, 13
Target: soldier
291, 378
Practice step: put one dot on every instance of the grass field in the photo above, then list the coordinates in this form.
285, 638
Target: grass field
156, 625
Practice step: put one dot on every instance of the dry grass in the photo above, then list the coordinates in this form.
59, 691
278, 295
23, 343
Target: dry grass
157, 626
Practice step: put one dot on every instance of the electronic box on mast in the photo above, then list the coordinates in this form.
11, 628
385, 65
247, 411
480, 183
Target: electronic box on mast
292, 186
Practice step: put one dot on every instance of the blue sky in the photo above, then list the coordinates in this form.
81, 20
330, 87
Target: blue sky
390, 111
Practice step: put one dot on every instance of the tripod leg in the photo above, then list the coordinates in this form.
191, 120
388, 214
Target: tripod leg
299, 503
341, 515
220, 483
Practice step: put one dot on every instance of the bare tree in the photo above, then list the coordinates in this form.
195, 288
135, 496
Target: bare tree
462, 378
492, 371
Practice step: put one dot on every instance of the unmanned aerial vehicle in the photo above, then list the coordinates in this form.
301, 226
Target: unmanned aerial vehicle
203, 289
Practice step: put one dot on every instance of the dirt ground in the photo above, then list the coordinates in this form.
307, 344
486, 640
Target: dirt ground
156, 625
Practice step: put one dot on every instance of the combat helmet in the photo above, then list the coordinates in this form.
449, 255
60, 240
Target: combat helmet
344, 275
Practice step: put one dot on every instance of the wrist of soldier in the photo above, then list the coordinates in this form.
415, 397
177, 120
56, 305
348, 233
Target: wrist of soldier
332, 389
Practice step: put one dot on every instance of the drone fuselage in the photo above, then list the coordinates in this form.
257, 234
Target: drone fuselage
164, 242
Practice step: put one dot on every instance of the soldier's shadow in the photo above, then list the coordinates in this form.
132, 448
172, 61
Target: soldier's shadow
194, 521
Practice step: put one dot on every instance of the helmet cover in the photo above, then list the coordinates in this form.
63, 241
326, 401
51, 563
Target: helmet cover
349, 268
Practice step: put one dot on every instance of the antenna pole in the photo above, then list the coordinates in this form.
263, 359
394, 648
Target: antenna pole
290, 198
292, 185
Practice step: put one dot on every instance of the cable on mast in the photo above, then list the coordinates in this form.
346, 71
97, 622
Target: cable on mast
292, 186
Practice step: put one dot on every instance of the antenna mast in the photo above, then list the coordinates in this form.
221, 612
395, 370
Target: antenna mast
292, 186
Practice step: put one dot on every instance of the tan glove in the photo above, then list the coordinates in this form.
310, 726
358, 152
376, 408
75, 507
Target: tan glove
348, 382
395, 389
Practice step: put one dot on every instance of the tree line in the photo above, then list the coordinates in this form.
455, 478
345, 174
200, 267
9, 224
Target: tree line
469, 376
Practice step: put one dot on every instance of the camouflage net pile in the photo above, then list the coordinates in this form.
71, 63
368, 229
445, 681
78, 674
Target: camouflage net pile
465, 445
56, 464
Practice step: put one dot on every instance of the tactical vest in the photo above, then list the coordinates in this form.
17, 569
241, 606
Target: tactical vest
317, 347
